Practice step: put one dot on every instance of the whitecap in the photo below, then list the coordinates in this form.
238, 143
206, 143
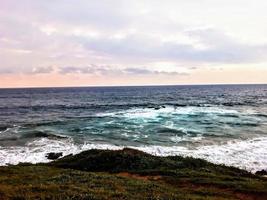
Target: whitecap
35, 151
151, 113
250, 155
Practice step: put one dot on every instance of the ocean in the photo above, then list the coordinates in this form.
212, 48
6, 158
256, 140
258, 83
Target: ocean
225, 124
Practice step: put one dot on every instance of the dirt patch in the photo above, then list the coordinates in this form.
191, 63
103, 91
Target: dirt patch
139, 177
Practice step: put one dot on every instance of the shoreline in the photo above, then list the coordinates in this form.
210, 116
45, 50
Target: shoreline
217, 154
128, 174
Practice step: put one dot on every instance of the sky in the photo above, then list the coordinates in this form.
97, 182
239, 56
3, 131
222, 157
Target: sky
46, 43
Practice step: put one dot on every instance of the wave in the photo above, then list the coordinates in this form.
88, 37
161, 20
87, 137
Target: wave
241, 124
171, 130
168, 110
250, 155
3, 128
261, 115
185, 138
93, 106
41, 134
231, 104
32, 135
128, 105
35, 151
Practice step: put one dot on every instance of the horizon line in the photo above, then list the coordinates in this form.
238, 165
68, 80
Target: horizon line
148, 85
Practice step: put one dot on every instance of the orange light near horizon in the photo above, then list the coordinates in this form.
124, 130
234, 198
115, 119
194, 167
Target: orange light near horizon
199, 76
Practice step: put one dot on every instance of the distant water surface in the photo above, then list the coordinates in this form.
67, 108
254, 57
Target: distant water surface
224, 123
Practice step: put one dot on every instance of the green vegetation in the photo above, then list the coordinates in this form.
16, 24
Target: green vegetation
128, 174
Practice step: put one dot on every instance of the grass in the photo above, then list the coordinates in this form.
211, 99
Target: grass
128, 174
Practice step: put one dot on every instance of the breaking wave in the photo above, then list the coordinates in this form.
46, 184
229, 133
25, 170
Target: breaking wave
249, 154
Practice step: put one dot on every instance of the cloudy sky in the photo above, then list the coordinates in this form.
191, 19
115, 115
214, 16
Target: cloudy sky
124, 42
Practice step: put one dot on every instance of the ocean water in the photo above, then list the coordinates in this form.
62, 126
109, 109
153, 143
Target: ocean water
224, 124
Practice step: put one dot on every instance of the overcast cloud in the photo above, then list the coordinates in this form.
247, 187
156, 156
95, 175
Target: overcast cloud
128, 35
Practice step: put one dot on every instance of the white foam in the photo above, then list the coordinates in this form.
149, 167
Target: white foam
140, 112
151, 113
35, 152
206, 110
250, 155
178, 139
147, 112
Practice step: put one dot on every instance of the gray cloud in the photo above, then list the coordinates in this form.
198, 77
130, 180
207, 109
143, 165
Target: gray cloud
139, 71
4, 70
26, 70
220, 48
42, 70
104, 70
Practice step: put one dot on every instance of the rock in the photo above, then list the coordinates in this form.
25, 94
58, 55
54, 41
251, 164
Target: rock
261, 173
155, 107
53, 155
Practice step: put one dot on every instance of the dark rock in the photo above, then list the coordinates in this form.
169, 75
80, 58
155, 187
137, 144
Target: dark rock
3, 128
155, 107
53, 156
261, 173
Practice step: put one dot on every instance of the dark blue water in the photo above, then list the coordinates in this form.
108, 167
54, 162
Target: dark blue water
212, 122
